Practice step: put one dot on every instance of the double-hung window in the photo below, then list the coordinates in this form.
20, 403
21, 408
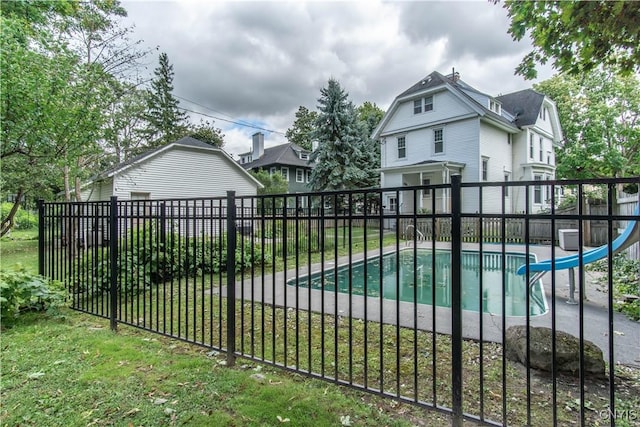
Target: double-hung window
537, 190
423, 104
285, 173
438, 140
393, 204
428, 103
299, 175
485, 169
540, 149
417, 106
402, 147
531, 146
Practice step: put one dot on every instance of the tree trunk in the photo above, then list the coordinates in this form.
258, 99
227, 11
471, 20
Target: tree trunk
8, 221
77, 188
67, 187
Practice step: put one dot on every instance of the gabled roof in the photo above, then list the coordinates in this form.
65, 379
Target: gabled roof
524, 105
283, 154
431, 81
435, 81
187, 141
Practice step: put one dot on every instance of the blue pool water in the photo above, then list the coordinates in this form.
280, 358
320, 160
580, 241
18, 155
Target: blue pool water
414, 278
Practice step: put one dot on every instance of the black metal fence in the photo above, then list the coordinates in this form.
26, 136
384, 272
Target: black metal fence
354, 293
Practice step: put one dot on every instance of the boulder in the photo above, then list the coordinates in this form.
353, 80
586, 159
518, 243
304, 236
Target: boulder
567, 350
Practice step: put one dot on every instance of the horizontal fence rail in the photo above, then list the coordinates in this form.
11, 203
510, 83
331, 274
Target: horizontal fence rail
420, 305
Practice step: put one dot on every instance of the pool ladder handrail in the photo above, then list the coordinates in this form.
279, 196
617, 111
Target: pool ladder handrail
418, 232
532, 281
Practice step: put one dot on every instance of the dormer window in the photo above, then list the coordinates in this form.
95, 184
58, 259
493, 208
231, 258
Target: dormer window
495, 106
304, 156
543, 113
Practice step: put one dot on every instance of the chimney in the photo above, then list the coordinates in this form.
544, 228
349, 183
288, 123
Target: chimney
258, 146
454, 76
314, 145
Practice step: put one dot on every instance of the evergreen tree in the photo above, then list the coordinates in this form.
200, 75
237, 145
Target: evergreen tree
166, 122
345, 158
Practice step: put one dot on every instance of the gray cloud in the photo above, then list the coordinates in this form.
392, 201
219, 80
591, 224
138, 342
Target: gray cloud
478, 29
259, 61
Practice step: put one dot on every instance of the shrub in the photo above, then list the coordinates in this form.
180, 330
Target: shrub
145, 260
22, 291
626, 281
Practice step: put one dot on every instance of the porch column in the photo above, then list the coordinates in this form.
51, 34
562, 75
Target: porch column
446, 179
420, 202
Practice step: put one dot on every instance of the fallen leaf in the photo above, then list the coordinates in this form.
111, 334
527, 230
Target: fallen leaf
160, 401
131, 412
345, 420
35, 375
283, 420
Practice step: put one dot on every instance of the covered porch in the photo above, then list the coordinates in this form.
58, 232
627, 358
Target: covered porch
428, 174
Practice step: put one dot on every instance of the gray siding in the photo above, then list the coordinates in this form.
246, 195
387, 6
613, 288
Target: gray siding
445, 107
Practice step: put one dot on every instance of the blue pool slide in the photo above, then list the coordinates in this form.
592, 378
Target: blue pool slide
630, 236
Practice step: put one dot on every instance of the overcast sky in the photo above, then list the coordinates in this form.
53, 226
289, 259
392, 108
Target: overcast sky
257, 62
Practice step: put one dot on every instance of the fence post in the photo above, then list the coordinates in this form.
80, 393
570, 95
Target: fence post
456, 296
41, 237
231, 278
163, 225
113, 263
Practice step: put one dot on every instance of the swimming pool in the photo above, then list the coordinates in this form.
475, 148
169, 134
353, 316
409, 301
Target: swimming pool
418, 277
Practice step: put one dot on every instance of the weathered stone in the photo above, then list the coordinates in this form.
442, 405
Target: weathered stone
567, 350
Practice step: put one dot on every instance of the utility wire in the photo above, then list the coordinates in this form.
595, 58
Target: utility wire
235, 122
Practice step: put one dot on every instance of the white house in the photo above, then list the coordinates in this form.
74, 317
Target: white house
186, 168
442, 126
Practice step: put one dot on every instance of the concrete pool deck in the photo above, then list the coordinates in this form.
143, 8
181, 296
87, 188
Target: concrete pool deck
595, 313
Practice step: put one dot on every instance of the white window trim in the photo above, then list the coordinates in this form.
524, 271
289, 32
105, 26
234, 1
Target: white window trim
415, 101
495, 106
484, 171
272, 170
393, 203
422, 108
531, 145
424, 104
299, 175
404, 148
507, 178
285, 173
308, 175
538, 189
541, 149
438, 153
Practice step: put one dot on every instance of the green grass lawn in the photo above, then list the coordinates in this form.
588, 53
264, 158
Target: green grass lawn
20, 247
73, 371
